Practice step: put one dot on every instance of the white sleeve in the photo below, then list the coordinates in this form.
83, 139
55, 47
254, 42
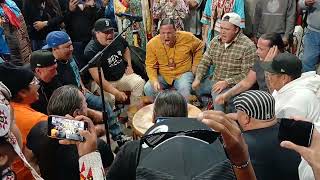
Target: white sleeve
90, 167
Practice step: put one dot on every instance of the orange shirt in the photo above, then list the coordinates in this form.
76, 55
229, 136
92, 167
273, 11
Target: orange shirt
26, 118
186, 53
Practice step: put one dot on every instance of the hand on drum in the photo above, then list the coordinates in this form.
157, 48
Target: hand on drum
195, 84
219, 86
156, 86
121, 96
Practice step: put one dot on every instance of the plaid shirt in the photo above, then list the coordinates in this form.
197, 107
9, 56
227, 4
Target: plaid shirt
232, 63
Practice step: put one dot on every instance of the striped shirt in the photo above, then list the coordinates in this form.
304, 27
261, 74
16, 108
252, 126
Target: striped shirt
232, 62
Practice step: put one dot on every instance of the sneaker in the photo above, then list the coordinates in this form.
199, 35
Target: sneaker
122, 139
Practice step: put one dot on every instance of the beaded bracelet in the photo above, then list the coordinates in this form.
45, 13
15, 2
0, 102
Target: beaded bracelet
246, 164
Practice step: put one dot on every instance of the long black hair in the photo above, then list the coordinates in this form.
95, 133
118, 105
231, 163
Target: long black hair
170, 104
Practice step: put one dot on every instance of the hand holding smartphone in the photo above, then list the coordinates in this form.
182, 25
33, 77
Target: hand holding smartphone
60, 127
298, 132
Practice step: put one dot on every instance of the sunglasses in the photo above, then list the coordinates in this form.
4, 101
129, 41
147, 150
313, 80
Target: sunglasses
110, 31
152, 140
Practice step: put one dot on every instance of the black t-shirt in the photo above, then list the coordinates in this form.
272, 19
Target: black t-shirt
113, 62
45, 91
269, 160
58, 161
66, 72
260, 76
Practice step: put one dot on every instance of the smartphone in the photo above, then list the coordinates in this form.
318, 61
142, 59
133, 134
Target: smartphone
298, 132
60, 127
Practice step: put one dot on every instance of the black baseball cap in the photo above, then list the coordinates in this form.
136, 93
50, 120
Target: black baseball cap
42, 58
284, 63
103, 25
15, 77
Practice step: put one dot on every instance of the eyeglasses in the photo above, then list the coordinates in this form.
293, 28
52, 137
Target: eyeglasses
108, 32
152, 140
35, 81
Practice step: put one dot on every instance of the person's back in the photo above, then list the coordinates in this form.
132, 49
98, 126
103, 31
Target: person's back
56, 161
256, 116
127, 158
269, 160
167, 104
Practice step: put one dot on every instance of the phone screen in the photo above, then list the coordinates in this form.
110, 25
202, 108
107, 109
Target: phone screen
298, 132
62, 128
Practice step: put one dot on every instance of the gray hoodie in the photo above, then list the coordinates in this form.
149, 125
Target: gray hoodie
313, 11
275, 16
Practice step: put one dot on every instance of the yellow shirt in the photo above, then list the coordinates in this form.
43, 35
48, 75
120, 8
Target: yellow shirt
186, 53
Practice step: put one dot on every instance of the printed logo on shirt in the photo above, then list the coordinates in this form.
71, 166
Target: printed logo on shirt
161, 128
114, 60
273, 6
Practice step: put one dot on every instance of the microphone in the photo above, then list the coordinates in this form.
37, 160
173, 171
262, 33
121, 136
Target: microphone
130, 17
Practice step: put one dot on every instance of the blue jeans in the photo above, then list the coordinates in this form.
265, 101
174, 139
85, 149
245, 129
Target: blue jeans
182, 85
229, 107
205, 87
95, 102
311, 52
206, 83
